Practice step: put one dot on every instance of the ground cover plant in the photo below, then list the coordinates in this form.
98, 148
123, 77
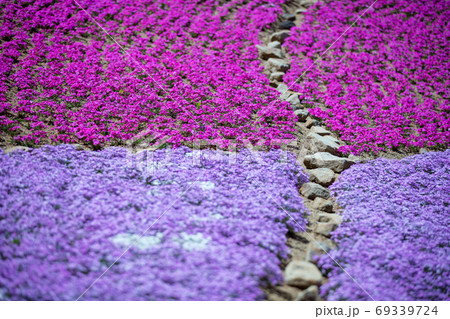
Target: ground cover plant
394, 238
66, 215
384, 83
187, 70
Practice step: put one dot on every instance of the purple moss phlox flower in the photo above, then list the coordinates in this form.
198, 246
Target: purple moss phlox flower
394, 239
66, 215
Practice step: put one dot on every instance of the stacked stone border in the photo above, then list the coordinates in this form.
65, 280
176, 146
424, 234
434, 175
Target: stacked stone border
317, 150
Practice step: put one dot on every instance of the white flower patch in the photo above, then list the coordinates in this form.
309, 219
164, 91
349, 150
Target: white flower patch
145, 242
206, 185
191, 242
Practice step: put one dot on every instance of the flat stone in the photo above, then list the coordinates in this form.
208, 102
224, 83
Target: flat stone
313, 190
282, 88
274, 44
276, 76
307, 3
320, 130
325, 229
310, 294
266, 53
302, 115
300, 10
310, 122
323, 176
279, 36
317, 143
323, 159
333, 139
286, 25
324, 205
315, 250
288, 16
294, 100
279, 64
302, 274
329, 218
288, 292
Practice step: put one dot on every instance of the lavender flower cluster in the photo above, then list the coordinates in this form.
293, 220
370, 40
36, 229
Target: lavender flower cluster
394, 240
217, 230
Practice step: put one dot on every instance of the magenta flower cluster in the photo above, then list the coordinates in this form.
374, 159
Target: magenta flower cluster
384, 82
182, 69
218, 223
394, 239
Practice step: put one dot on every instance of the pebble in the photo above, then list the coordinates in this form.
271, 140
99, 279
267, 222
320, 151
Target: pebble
310, 294
302, 115
317, 143
316, 249
302, 274
320, 130
279, 64
324, 205
323, 159
274, 44
310, 122
286, 25
323, 176
276, 76
294, 100
325, 229
313, 190
279, 36
288, 16
266, 53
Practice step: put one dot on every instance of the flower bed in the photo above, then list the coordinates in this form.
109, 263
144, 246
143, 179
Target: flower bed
384, 83
66, 215
187, 70
394, 239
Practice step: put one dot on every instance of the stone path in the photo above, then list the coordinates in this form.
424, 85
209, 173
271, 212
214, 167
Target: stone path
316, 148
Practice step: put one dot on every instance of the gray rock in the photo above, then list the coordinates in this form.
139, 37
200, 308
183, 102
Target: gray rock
320, 130
317, 143
323, 205
279, 36
307, 3
313, 190
274, 44
279, 64
286, 25
276, 76
294, 100
282, 88
329, 218
300, 10
315, 250
302, 115
310, 294
323, 176
288, 16
325, 229
310, 122
266, 53
323, 159
333, 139
302, 274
